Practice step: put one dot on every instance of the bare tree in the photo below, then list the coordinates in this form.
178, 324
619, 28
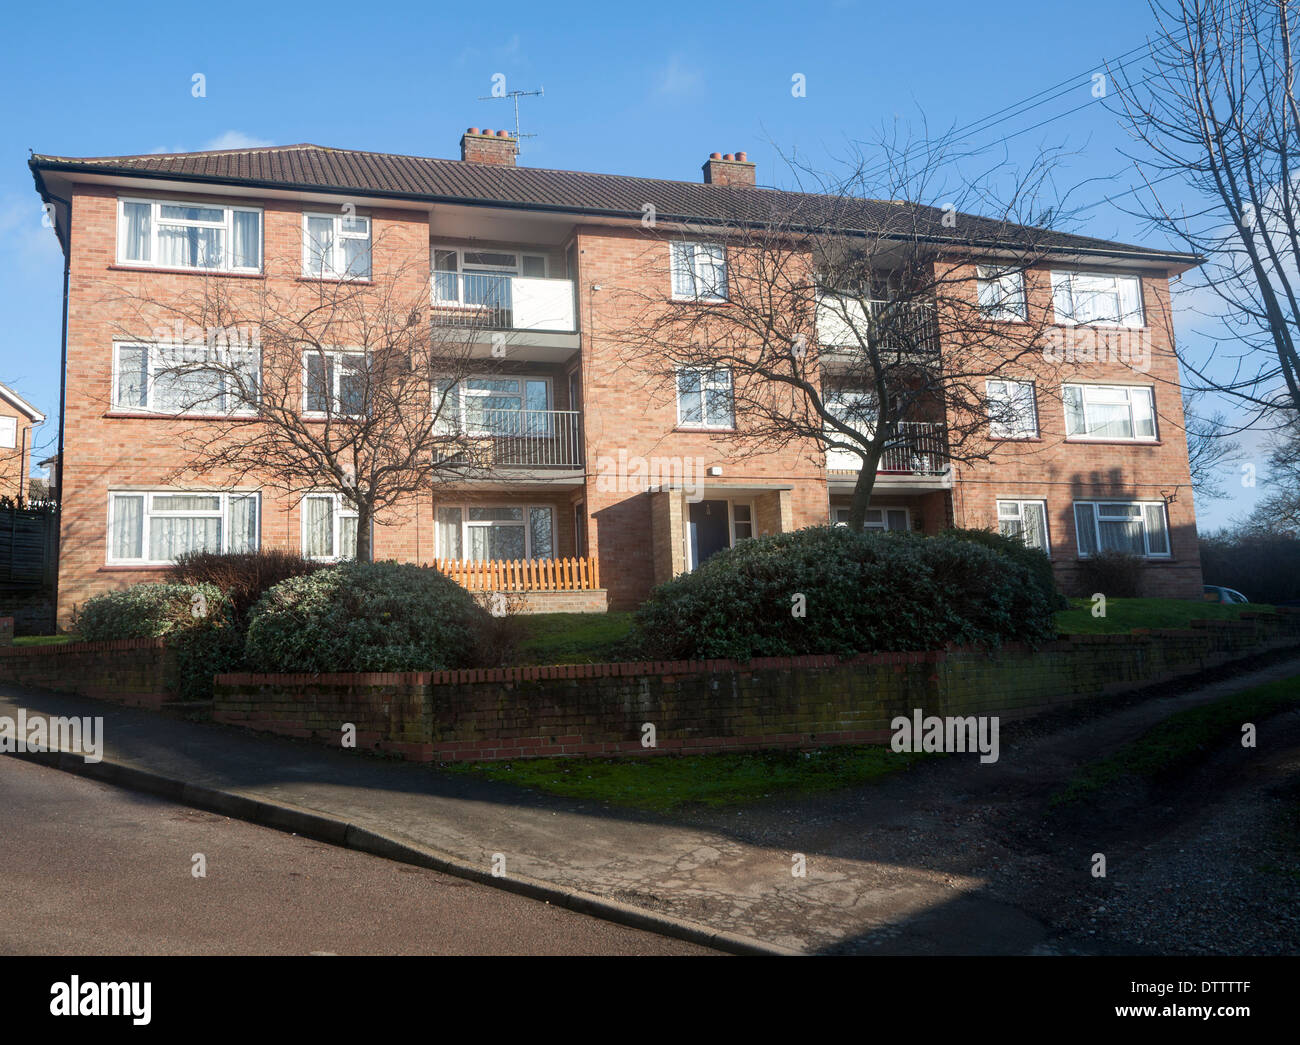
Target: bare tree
847, 321
1215, 107
1210, 446
340, 386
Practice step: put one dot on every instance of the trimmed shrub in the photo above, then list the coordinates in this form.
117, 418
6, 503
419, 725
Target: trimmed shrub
356, 616
861, 592
243, 576
1117, 575
195, 620
1039, 565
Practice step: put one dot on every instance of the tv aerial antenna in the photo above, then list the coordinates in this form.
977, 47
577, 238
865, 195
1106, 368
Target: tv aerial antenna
514, 96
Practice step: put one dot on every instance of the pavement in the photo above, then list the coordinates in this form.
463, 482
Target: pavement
904, 866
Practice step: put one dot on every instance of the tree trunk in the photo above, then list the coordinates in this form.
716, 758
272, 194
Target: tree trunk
862, 488
365, 549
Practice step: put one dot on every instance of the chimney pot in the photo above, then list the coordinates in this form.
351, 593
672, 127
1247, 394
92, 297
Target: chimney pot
742, 157
503, 134
472, 130
728, 156
731, 171
715, 155
488, 146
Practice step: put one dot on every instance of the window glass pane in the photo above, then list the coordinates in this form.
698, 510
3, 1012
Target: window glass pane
317, 382
172, 536
186, 502
1074, 421
1085, 529
318, 540
182, 381
496, 515
540, 532
128, 526
355, 226
492, 260
1144, 417
246, 242
690, 407
449, 544
1035, 525
348, 537
1157, 531
1108, 413
446, 285
896, 519
496, 542
352, 385
243, 534
189, 246
711, 270
181, 212
717, 400
320, 245
741, 512
534, 265
136, 235
683, 274
132, 376
356, 257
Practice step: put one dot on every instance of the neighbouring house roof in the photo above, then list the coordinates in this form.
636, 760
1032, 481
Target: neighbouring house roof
19, 403
317, 168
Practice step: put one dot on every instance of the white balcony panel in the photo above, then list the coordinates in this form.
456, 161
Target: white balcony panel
542, 304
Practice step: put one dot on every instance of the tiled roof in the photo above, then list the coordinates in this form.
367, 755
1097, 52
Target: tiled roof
315, 167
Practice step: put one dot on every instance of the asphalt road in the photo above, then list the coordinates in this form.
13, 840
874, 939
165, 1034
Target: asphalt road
89, 869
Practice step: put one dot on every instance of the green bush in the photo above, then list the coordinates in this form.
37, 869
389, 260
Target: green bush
1039, 565
195, 620
244, 577
355, 616
1117, 575
862, 591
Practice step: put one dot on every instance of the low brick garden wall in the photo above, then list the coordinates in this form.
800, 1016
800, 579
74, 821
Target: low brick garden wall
706, 706
128, 671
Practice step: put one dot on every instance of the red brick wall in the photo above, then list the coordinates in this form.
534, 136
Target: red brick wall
127, 671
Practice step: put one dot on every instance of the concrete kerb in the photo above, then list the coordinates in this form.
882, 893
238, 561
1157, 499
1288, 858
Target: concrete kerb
322, 828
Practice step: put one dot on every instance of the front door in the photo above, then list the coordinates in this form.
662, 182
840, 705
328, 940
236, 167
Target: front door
710, 530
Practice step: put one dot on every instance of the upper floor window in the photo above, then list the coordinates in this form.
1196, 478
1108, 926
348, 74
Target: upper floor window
204, 236
1013, 413
1026, 520
1109, 412
1136, 527
481, 277
1001, 292
334, 383
497, 405
699, 271
1099, 299
176, 379
704, 399
157, 527
329, 527
335, 246
8, 432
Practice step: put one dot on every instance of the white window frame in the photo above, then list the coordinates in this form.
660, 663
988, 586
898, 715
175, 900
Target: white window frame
1001, 432
147, 514
695, 271
227, 224
525, 523
1006, 306
516, 270
734, 523
455, 408
342, 509
1084, 436
332, 357
1065, 284
156, 349
884, 517
1019, 503
705, 375
335, 268
1094, 503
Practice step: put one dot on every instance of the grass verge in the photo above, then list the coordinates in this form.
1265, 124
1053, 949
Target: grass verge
572, 638
45, 640
1181, 740
1123, 615
668, 782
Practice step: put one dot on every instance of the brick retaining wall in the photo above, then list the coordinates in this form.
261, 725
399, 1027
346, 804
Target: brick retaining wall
128, 671
703, 706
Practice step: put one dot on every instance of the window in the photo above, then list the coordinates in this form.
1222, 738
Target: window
336, 246
1013, 413
1109, 412
329, 527
1001, 292
480, 278
742, 522
1026, 520
1137, 527
878, 518
8, 432
699, 271
334, 383
206, 236
177, 379
494, 406
704, 399
1097, 298
155, 527
482, 533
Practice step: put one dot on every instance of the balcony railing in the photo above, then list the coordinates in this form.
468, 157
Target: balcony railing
578, 574
846, 323
495, 301
917, 449
519, 438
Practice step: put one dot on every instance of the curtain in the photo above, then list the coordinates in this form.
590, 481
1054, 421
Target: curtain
128, 526
243, 524
1119, 528
689, 401
683, 270
1035, 525
1157, 531
320, 527
320, 245
348, 537
449, 529
246, 247
136, 240
171, 536
190, 246
1085, 530
1130, 301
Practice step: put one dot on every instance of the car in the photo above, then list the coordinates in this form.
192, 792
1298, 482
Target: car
1218, 593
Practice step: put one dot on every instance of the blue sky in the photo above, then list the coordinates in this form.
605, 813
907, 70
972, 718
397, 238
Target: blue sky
629, 90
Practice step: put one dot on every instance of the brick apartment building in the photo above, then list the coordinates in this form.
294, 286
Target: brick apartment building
17, 420
534, 254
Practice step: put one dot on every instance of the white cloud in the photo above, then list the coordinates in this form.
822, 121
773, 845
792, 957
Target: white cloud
678, 80
227, 141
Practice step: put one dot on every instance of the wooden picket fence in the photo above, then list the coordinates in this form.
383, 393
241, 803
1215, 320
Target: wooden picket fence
577, 574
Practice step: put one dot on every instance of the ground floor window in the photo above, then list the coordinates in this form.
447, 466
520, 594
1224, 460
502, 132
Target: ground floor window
329, 527
158, 526
483, 533
1136, 527
878, 518
1026, 520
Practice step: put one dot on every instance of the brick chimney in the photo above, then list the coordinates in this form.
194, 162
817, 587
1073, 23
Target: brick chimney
733, 171
498, 147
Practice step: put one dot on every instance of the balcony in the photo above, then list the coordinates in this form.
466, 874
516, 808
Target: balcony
914, 459
493, 440
498, 301
902, 326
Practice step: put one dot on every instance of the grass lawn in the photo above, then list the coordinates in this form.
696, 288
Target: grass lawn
667, 782
572, 638
1122, 615
45, 640
1181, 739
